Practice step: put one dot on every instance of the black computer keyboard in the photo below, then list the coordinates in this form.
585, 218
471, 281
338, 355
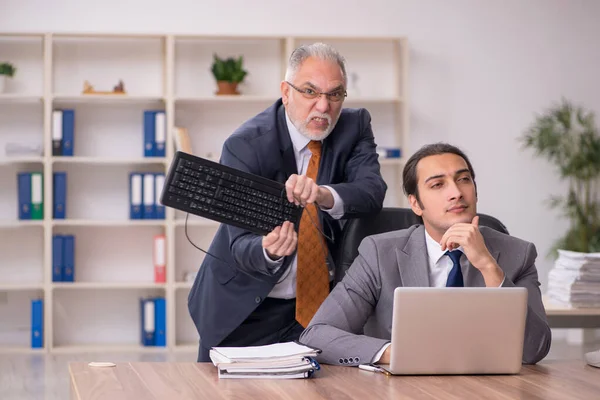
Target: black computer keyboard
224, 194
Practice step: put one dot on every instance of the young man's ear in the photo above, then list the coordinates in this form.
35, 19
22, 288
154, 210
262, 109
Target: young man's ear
414, 204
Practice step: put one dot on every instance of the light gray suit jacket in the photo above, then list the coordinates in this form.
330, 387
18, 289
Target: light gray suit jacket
355, 321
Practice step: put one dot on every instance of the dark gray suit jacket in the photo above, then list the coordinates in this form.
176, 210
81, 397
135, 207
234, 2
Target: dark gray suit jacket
399, 258
226, 292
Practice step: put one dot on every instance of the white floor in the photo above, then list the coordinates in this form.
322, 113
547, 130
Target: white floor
38, 376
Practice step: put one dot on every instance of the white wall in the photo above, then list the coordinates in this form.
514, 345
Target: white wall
479, 70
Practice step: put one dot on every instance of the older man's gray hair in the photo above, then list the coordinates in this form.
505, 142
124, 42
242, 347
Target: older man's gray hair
318, 50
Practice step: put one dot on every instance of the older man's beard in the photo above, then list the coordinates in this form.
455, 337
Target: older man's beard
303, 126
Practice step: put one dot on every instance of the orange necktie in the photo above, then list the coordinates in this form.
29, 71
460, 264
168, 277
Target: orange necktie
312, 279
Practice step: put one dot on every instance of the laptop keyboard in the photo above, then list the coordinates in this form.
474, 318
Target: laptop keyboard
227, 195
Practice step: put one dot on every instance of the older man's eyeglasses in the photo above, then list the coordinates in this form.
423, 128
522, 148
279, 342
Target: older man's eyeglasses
310, 93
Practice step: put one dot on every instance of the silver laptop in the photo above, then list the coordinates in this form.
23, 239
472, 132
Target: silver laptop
438, 331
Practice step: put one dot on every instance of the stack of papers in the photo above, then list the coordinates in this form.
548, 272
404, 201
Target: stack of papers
575, 279
275, 361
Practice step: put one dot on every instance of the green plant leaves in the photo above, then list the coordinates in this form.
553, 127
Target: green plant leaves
230, 69
567, 136
7, 69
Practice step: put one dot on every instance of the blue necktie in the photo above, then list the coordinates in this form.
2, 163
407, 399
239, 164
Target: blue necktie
455, 278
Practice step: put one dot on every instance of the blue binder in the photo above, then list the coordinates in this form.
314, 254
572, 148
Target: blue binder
160, 133
68, 138
136, 191
57, 258
148, 200
149, 132
160, 319
159, 183
60, 195
24, 195
37, 323
68, 272
147, 320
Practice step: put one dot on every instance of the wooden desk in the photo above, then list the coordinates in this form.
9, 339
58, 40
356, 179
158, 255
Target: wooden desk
141, 380
566, 317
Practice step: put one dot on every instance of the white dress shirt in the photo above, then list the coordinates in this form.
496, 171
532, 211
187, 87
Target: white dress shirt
440, 266
286, 288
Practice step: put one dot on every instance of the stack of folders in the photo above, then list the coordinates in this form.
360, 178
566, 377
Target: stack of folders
289, 360
145, 189
574, 281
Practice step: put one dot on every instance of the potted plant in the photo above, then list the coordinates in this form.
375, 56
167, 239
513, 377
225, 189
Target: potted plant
7, 70
228, 74
566, 135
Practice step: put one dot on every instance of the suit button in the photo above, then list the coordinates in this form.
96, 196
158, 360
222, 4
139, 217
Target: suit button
257, 299
341, 360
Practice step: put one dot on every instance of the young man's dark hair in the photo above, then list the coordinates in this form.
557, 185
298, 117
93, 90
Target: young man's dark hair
409, 174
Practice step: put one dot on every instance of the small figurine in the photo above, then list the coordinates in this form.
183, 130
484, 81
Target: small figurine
117, 89
120, 88
87, 88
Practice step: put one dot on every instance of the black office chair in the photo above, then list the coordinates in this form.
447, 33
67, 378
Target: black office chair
388, 219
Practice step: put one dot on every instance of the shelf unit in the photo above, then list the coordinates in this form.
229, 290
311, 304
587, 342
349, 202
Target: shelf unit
113, 255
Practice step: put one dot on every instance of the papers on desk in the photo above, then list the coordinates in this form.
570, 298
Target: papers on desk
574, 281
275, 361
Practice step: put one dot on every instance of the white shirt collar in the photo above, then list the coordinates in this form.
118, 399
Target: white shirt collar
434, 249
299, 141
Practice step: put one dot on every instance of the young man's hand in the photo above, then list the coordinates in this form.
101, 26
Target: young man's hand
469, 237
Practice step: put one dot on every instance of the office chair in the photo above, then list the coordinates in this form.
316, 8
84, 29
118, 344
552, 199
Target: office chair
388, 219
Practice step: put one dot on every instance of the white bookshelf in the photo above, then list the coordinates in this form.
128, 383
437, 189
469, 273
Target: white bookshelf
113, 254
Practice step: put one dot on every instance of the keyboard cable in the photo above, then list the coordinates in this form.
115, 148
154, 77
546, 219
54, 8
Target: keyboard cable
247, 273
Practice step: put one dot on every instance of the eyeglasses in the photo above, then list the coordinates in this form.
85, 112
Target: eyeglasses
312, 94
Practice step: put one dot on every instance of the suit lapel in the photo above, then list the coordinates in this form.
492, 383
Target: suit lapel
474, 277
412, 260
326, 165
285, 144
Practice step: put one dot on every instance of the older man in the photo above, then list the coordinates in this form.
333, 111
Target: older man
262, 290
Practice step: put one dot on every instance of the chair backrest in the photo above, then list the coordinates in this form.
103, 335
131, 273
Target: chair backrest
388, 219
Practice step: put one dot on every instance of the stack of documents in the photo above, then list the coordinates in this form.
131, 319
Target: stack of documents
575, 279
275, 361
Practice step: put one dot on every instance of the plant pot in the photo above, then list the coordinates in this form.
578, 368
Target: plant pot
227, 87
3, 79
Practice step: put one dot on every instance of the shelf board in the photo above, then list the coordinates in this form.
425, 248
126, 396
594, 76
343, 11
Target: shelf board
391, 161
107, 285
372, 100
21, 286
107, 348
226, 98
105, 98
4, 349
183, 285
19, 98
16, 224
108, 223
8, 160
264, 98
108, 161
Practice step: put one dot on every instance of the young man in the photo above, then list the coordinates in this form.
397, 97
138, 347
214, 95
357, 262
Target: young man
263, 290
440, 183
